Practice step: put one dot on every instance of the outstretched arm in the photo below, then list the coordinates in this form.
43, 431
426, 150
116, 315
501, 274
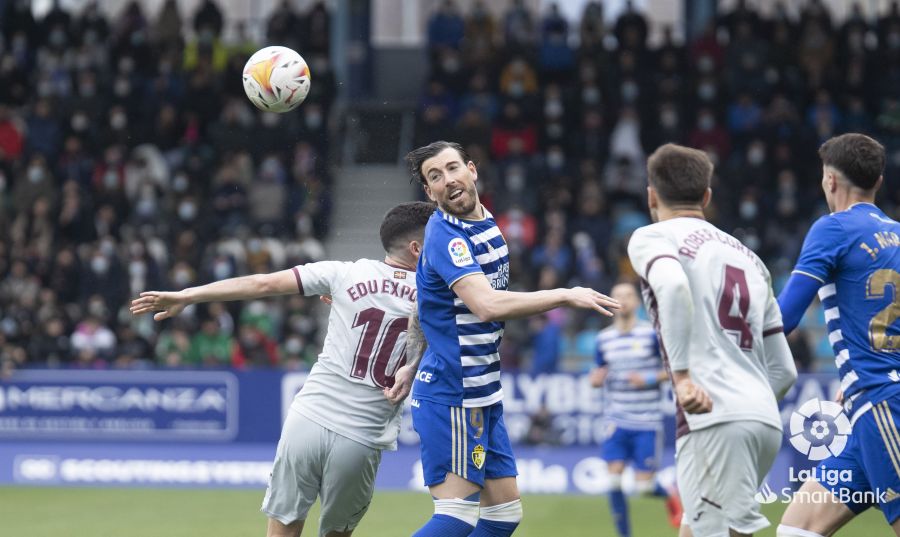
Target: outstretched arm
170, 304
489, 304
415, 348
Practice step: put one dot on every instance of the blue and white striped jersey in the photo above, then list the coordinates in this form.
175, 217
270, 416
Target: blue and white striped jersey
461, 366
626, 353
855, 254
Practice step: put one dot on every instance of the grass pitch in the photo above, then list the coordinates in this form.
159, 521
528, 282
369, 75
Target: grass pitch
95, 512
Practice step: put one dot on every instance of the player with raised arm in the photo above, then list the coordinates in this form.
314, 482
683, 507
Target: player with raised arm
457, 409
630, 367
340, 422
851, 258
721, 337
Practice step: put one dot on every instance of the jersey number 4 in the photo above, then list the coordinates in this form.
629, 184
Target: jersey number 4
734, 305
378, 343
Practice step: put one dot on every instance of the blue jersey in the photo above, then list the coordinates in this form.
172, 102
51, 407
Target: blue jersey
461, 366
637, 351
855, 254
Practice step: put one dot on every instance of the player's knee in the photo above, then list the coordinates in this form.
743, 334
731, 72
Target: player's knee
615, 482
509, 512
645, 487
464, 510
790, 531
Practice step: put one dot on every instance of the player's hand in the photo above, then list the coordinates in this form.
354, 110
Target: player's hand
586, 298
597, 377
403, 381
692, 398
636, 380
168, 304
326, 299
839, 397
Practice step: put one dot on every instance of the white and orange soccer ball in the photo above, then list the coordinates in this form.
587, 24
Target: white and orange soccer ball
276, 79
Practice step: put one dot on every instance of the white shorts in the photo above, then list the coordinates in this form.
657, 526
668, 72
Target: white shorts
720, 469
313, 461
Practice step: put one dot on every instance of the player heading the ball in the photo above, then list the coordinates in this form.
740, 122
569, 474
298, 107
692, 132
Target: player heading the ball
462, 280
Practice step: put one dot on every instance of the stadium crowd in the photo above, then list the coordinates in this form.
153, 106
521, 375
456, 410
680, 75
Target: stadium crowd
127, 155
560, 120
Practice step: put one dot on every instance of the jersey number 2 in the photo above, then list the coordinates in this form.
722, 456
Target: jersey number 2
876, 288
378, 343
733, 313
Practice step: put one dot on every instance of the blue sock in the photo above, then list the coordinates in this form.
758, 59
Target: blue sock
444, 526
660, 491
493, 528
619, 507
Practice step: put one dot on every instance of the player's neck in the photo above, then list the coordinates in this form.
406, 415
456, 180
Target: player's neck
624, 324
399, 262
852, 198
664, 212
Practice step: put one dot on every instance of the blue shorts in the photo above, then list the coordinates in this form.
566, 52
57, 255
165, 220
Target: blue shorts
872, 457
469, 442
639, 447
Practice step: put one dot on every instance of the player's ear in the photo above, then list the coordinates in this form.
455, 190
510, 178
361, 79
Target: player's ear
651, 198
878, 183
415, 248
707, 197
428, 192
471, 166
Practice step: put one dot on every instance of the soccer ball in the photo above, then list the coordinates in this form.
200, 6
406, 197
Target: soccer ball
276, 79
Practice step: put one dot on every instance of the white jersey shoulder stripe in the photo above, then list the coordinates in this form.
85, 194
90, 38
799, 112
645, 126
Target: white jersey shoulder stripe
485, 236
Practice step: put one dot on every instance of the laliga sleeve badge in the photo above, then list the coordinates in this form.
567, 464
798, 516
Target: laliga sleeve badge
459, 252
478, 456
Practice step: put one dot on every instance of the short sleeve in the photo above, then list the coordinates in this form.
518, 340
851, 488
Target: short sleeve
320, 278
450, 254
648, 245
819, 255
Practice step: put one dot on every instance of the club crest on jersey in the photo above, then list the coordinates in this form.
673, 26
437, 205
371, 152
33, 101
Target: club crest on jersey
459, 252
399, 274
478, 456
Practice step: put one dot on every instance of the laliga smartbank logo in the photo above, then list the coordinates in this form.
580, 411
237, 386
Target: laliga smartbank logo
820, 429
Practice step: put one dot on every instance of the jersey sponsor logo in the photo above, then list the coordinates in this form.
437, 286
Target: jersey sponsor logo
424, 376
478, 456
459, 252
500, 279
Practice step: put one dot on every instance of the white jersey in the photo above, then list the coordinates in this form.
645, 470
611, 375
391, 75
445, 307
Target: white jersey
364, 346
734, 309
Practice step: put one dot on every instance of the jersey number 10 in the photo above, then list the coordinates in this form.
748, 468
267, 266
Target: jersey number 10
378, 343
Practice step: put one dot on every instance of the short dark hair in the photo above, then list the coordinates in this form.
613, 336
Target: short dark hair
404, 223
858, 157
417, 157
679, 174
